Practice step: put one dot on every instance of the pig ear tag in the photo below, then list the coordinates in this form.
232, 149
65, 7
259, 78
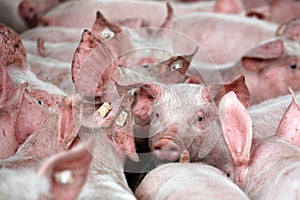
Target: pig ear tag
107, 34
121, 119
175, 66
64, 177
104, 109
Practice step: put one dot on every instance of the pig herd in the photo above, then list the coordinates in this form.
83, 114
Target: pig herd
149, 100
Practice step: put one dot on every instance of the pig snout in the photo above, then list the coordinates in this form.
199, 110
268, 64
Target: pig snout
165, 149
28, 13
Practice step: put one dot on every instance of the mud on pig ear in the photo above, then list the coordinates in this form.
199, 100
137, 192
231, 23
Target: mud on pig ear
289, 126
217, 91
67, 171
12, 48
253, 60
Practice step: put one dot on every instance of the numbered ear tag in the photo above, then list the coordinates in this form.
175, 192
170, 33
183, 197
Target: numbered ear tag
107, 34
177, 65
281, 29
64, 177
121, 119
104, 109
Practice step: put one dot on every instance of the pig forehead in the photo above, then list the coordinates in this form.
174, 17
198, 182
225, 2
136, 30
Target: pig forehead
183, 95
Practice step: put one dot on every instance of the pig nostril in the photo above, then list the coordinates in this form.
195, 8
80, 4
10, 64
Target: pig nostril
157, 148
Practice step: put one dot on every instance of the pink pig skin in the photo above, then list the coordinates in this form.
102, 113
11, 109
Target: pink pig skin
187, 180
13, 51
238, 34
51, 137
32, 11
52, 34
64, 14
183, 117
264, 169
272, 65
39, 183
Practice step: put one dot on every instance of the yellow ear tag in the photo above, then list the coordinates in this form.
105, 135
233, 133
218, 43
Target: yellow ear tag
104, 109
121, 119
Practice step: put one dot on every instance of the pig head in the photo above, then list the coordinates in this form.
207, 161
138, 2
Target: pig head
183, 116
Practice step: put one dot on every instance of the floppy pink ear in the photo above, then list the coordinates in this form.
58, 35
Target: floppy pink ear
68, 124
144, 101
12, 48
237, 128
7, 88
289, 127
92, 59
67, 171
253, 60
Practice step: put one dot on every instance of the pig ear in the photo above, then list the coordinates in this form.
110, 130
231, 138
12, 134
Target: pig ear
237, 128
112, 34
69, 121
6, 87
123, 128
179, 63
12, 49
67, 171
238, 85
290, 30
91, 59
289, 127
252, 61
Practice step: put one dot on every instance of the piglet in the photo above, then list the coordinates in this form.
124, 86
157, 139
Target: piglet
187, 180
266, 168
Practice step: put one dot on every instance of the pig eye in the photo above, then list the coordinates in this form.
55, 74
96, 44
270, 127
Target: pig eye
157, 115
145, 66
40, 102
199, 118
293, 66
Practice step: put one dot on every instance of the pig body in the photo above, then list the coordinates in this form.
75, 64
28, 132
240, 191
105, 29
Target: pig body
192, 180
246, 34
59, 16
52, 34
53, 71
63, 51
264, 169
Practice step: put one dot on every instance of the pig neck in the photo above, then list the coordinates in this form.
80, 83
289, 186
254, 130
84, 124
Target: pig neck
107, 163
219, 157
270, 160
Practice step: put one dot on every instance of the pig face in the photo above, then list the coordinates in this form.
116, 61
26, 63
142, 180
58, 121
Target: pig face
24, 107
273, 66
183, 116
